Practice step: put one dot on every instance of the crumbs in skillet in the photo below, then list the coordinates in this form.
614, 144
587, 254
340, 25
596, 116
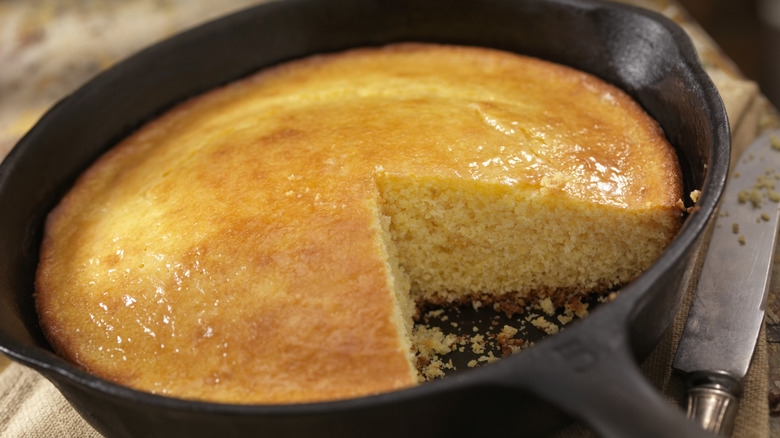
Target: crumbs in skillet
448, 340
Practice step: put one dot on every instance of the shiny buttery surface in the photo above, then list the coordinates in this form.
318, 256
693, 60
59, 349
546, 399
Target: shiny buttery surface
232, 243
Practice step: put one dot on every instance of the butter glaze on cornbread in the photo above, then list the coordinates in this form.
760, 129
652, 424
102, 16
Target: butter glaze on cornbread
266, 242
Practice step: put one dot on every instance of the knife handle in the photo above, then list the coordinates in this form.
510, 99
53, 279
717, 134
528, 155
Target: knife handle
713, 400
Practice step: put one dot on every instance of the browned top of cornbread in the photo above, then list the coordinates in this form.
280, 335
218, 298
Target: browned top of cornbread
229, 249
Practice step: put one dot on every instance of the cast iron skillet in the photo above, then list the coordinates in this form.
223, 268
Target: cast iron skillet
588, 371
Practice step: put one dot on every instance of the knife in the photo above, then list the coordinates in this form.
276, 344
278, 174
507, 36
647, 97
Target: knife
728, 309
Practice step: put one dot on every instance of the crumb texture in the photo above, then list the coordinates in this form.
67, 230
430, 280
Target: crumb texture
459, 240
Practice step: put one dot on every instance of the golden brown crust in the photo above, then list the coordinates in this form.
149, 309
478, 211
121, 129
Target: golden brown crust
229, 250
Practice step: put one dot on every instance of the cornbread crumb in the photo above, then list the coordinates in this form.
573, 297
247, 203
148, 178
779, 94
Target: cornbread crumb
429, 344
774, 142
765, 182
547, 306
755, 198
435, 369
434, 313
580, 309
489, 358
565, 319
429, 341
545, 325
509, 331
495, 335
478, 344
763, 188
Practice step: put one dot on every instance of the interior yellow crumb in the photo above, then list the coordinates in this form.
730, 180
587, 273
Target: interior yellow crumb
458, 239
455, 240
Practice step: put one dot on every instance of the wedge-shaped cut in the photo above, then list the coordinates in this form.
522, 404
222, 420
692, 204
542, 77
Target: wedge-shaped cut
267, 242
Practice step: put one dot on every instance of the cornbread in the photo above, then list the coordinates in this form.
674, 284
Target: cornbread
268, 241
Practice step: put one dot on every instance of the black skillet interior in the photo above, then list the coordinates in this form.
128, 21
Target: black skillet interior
639, 52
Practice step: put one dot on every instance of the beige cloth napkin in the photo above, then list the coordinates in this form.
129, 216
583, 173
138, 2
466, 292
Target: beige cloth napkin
30, 406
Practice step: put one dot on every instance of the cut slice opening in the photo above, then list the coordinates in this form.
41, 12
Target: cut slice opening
453, 242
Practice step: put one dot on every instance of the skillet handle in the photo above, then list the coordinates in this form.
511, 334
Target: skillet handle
597, 380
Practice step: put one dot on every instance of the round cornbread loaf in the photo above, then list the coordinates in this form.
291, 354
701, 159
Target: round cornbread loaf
266, 242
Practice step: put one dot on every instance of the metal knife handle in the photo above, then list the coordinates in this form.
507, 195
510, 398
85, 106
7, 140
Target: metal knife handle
713, 400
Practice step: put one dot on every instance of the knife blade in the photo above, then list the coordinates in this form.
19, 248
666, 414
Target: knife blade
728, 309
